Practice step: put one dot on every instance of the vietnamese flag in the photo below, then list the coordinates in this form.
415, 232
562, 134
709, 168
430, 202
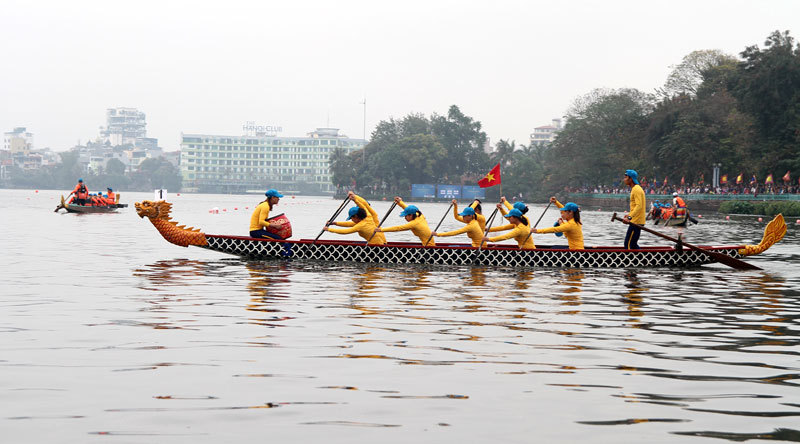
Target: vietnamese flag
739, 178
724, 179
491, 179
787, 177
769, 179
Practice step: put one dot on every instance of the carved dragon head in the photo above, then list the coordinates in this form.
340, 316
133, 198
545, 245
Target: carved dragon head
153, 210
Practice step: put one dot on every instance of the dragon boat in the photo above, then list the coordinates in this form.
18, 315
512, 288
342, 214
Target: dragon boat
445, 254
72, 208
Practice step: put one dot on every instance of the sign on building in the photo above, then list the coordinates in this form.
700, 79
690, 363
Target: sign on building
426, 191
448, 191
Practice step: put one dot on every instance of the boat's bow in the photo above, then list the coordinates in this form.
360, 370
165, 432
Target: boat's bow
158, 213
774, 232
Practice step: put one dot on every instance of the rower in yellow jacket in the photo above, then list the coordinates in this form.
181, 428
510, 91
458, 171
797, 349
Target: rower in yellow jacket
518, 227
518, 205
415, 222
472, 229
475, 205
569, 224
361, 219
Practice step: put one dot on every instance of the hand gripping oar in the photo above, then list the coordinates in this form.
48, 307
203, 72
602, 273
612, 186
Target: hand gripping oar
488, 226
333, 218
719, 257
536, 224
438, 225
394, 204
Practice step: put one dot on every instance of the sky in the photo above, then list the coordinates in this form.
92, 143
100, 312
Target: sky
209, 67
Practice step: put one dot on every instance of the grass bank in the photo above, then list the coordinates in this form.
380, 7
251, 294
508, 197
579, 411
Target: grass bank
767, 208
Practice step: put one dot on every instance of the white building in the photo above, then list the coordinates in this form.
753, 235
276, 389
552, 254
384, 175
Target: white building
216, 163
546, 133
123, 126
18, 141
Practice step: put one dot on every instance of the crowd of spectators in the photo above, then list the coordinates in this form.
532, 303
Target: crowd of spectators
650, 188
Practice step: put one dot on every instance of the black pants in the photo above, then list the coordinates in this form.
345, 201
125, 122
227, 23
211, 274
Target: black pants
80, 201
262, 233
632, 236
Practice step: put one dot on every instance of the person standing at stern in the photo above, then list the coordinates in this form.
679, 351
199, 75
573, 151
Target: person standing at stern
636, 216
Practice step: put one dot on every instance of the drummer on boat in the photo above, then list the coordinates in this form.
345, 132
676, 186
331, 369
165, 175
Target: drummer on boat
415, 222
679, 204
517, 229
361, 219
569, 224
258, 220
472, 228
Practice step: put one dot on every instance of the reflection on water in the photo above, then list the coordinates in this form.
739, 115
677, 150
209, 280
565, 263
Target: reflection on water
178, 342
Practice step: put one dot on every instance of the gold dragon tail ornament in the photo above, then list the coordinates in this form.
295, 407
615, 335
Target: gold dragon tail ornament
774, 232
158, 213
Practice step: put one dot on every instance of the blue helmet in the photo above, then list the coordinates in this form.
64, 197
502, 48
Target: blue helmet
410, 211
352, 212
633, 175
520, 206
467, 212
569, 206
272, 192
514, 213
80, 180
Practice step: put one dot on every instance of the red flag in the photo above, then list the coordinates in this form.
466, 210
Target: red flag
724, 179
665, 180
739, 178
683, 180
787, 177
769, 179
492, 178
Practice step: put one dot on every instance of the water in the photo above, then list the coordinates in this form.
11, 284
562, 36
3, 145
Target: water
111, 334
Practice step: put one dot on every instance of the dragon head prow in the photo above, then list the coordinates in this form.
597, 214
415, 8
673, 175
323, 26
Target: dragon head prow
159, 214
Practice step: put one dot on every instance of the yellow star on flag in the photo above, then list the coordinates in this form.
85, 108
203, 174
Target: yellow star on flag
489, 177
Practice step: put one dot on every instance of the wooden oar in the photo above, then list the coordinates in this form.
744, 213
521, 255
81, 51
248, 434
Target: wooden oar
394, 204
536, 224
330, 221
719, 257
488, 226
438, 225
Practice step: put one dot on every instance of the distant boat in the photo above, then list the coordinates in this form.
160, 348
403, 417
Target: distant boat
72, 208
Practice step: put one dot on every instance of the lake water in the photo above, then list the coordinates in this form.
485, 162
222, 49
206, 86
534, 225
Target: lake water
111, 334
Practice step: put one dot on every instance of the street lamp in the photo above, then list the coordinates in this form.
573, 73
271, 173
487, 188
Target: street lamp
716, 175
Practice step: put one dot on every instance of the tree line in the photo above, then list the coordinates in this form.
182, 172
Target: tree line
739, 113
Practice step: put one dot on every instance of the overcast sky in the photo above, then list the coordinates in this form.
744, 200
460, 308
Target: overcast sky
208, 67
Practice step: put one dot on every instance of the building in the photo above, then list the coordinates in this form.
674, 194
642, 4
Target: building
18, 142
123, 126
547, 133
234, 164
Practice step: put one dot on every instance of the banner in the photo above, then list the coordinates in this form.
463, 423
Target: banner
470, 192
426, 191
448, 191
724, 179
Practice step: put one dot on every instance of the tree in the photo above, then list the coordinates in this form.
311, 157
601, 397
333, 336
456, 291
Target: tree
503, 153
115, 167
687, 76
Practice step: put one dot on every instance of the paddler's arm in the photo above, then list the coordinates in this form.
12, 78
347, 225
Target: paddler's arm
406, 226
507, 204
461, 230
263, 215
358, 200
455, 211
400, 202
347, 223
353, 229
563, 228
502, 228
555, 201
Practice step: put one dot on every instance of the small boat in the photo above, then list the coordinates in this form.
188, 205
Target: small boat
446, 254
666, 217
72, 208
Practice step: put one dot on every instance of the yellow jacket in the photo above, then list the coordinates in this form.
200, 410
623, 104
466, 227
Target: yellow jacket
480, 217
508, 205
418, 226
365, 228
637, 212
258, 219
571, 229
472, 229
519, 233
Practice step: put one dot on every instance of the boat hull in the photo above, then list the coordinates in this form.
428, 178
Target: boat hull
89, 209
459, 254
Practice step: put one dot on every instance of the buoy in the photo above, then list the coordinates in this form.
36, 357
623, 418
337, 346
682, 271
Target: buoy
727, 218
700, 216
235, 208
36, 191
178, 194
246, 208
293, 197
798, 222
761, 219
224, 209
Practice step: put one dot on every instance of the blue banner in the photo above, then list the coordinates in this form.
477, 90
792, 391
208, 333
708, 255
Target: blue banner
469, 192
448, 191
423, 190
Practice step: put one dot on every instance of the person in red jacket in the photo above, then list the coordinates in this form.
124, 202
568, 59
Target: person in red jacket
80, 192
